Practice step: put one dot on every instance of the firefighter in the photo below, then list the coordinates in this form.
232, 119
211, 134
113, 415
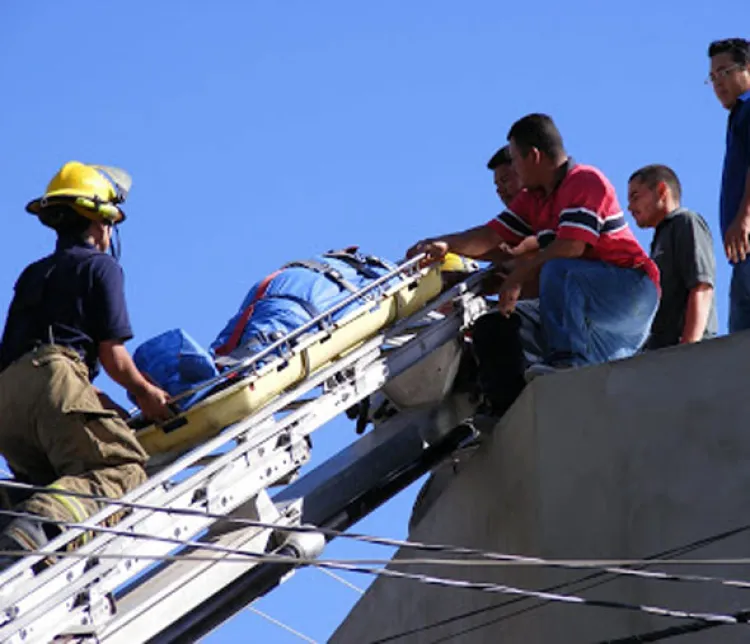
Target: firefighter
67, 318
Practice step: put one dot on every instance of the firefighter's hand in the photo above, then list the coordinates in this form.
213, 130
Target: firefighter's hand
737, 239
434, 249
153, 403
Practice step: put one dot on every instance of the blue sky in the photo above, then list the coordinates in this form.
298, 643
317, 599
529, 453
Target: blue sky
258, 133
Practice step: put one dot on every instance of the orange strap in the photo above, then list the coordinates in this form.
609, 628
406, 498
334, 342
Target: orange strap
234, 339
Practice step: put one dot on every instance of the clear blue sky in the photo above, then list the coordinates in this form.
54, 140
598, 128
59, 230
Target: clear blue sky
258, 133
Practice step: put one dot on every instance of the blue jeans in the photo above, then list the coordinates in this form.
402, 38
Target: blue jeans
592, 312
739, 297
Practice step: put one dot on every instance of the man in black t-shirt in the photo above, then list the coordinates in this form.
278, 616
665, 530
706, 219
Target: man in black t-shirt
67, 317
682, 248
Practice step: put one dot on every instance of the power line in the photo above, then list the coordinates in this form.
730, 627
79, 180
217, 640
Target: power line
356, 566
712, 618
674, 631
280, 624
341, 580
500, 558
597, 579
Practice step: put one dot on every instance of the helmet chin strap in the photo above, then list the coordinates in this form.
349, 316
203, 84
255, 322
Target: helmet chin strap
115, 245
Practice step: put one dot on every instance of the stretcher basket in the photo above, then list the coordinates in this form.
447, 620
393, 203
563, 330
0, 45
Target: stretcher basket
245, 388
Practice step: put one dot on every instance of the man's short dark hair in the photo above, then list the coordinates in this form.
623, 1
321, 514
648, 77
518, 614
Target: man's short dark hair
737, 48
652, 175
537, 131
64, 220
501, 157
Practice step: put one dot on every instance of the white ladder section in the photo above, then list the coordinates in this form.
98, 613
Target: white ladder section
74, 599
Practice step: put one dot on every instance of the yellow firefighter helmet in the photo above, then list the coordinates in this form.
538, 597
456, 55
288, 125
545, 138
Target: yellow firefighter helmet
93, 191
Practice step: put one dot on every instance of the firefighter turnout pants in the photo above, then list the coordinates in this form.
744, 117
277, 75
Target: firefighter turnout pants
55, 432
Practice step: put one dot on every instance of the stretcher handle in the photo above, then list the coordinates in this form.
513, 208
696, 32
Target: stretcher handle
249, 362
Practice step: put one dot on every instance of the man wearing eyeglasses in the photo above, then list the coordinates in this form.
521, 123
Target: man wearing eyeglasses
730, 77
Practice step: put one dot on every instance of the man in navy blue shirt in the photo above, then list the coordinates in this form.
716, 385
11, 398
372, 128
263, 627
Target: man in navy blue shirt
730, 77
67, 317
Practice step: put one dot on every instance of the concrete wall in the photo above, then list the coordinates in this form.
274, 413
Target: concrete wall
618, 461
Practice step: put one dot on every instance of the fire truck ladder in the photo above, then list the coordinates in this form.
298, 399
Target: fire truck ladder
127, 585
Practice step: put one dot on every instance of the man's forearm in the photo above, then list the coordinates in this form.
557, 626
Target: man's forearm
475, 242
696, 313
744, 210
119, 366
558, 249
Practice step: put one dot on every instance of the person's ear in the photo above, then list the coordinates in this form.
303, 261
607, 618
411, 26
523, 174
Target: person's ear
662, 191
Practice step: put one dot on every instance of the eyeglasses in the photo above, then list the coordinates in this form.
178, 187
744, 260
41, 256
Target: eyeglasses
721, 73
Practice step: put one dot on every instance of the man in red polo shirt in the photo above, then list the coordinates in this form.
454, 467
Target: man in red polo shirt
598, 289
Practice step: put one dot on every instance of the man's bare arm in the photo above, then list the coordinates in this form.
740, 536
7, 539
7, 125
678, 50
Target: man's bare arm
696, 313
737, 239
118, 364
475, 243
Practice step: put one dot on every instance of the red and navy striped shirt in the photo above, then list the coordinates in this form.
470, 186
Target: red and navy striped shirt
583, 207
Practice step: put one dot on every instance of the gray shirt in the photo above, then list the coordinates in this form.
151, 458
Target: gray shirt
683, 250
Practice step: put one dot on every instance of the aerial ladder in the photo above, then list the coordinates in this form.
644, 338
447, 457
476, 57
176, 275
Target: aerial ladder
180, 562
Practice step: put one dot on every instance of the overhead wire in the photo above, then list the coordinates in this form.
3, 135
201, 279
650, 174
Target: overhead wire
342, 581
498, 558
356, 567
282, 625
605, 564
673, 631
597, 579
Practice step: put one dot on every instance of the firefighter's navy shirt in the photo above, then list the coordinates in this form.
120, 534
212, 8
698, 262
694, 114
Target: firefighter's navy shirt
73, 298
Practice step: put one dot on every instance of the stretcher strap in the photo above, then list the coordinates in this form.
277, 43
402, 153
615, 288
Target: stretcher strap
323, 269
362, 264
239, 328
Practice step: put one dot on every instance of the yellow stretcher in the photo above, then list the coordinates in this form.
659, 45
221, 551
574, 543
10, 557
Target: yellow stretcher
246, 396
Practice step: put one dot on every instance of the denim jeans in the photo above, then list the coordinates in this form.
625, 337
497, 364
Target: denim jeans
592, 312
739, 297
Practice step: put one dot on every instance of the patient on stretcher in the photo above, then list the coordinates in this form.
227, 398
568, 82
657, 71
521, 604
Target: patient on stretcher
296, 295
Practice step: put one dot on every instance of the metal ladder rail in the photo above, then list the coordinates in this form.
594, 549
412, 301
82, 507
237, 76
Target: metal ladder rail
187, 606
143, 608
187, 461
338, 366
44, 603
184, 462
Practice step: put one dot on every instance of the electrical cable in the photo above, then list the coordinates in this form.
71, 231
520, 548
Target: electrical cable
673, 631
281, 624
605, 564
342, 581
445, 582
596, 579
